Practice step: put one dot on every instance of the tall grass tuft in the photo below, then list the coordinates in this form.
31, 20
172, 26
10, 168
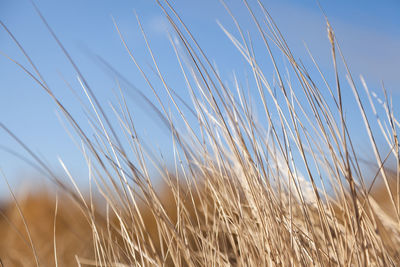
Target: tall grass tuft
276, 185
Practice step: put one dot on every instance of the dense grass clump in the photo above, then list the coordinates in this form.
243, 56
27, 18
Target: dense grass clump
283, 186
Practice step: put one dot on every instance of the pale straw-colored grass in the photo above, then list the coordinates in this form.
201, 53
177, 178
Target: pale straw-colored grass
284, 186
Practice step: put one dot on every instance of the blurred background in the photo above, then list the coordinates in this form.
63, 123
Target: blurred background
368, 32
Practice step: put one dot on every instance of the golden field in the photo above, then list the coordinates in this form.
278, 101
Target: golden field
265, 173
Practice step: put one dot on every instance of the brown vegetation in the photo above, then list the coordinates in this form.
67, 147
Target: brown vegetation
283, 187
73, 232
67, 231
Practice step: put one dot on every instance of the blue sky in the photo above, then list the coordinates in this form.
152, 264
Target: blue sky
368, 31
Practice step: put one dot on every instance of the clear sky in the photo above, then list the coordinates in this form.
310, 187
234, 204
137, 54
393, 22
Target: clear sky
368, 31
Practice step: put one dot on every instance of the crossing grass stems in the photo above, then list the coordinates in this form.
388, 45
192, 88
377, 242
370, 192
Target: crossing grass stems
283, 186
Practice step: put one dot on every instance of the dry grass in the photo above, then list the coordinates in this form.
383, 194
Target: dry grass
280, 187
73, 235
